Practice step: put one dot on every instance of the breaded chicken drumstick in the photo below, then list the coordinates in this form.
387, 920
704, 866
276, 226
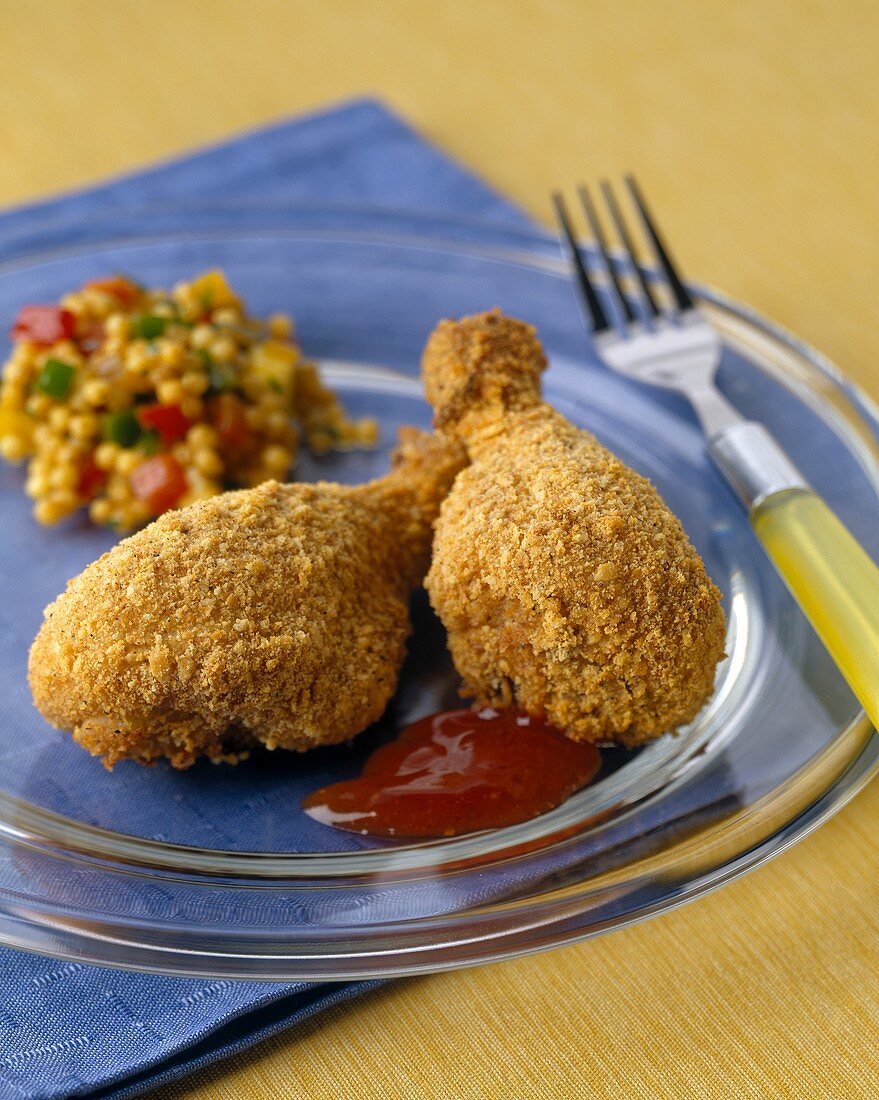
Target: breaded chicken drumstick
566, 585
276, 615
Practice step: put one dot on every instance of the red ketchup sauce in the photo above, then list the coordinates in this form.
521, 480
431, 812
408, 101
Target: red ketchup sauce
458, 772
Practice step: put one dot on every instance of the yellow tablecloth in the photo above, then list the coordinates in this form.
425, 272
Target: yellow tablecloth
755, 128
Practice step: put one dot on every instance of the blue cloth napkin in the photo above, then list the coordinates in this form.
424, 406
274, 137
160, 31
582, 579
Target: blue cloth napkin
73, 1030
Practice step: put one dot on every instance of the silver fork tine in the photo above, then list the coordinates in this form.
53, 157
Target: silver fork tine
626, 240
598, 234
679, 292
598, 317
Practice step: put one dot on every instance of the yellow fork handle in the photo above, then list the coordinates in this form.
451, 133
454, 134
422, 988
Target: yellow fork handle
832, 579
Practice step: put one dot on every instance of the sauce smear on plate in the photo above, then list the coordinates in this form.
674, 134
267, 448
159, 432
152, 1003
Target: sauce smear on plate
458, 772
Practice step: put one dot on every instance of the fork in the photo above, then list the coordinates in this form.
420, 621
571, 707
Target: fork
831, 577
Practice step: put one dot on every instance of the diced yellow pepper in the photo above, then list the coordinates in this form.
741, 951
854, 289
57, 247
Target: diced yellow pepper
274, 364
212, 289
16, 423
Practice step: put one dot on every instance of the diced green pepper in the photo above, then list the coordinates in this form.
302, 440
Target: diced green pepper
149, 443
148, 325
55, 379
121, 428
223, 377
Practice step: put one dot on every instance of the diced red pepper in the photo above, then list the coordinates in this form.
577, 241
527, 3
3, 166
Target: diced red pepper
167, 420
228, 415
91, 478
91, 338
159, 482
43, 325
118, 287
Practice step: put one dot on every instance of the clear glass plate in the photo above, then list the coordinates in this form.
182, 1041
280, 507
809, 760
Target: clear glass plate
216, 871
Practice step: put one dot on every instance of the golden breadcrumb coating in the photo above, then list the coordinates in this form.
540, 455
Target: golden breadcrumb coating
566, 585
276, 615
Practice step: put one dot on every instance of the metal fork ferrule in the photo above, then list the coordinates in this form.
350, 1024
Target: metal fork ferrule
753, 463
